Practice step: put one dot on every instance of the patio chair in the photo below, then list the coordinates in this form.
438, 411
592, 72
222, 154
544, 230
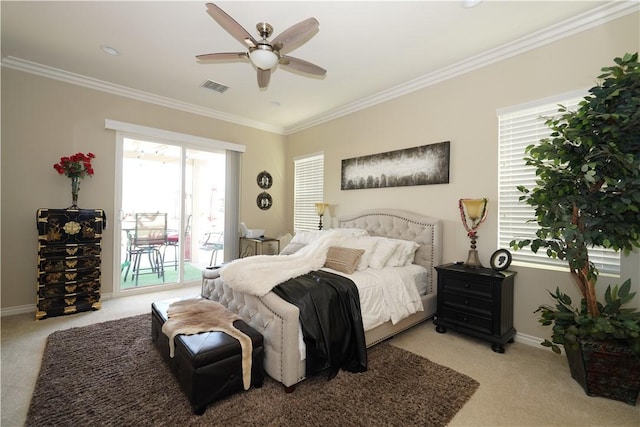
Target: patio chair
214, 242
173, 240
149, 236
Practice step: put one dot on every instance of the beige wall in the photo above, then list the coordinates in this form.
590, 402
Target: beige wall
463, 110
44, 119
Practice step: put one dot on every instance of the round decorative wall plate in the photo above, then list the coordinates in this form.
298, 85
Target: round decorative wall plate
500, 260
264, 180
264, 201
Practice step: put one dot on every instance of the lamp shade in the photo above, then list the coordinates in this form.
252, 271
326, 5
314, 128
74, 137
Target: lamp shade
321, 207
264, 59
474, 207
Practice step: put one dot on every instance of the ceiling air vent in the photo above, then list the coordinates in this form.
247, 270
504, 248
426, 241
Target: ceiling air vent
218, 87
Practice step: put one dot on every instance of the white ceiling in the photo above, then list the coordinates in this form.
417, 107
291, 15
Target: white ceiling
372, 50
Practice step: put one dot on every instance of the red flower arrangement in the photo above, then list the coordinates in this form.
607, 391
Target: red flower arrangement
76, 166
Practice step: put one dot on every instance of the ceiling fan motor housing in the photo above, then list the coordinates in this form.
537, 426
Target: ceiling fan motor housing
264, 29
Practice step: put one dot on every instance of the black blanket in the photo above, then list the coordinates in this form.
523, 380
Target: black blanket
331, 321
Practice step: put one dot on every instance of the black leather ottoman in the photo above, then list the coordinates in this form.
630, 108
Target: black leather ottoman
207, 365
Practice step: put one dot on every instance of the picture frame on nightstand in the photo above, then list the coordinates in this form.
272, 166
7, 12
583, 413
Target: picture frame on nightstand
500, 260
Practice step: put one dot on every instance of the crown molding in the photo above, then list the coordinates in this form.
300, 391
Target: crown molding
585, 21
91, 83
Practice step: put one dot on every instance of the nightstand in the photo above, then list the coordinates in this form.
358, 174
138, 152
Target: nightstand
255, 246
476, 302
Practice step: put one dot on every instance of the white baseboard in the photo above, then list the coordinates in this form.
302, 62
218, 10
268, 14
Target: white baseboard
22, 309
31, 308
530, 340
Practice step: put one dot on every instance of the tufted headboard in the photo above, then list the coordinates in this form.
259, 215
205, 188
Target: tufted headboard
399, 224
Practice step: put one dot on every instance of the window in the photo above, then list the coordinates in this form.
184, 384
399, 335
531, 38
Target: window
308, 190
519, 127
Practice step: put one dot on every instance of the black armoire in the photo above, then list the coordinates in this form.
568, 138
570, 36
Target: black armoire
69, 258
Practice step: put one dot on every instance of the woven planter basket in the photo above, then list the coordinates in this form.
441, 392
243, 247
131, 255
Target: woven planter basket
606, 369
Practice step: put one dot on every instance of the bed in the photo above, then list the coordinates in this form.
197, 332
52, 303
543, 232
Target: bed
278, 320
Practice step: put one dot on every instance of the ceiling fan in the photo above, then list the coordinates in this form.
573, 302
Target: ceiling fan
265, 54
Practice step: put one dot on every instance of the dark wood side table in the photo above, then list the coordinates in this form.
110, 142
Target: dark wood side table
476, 302
255, 246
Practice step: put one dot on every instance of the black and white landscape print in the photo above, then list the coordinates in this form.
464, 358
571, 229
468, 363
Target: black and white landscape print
424, 165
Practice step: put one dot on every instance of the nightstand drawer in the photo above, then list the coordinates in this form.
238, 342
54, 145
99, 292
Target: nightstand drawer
468, 286
468, 304
468, 320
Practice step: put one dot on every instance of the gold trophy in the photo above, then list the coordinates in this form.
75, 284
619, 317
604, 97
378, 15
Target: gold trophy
474, 210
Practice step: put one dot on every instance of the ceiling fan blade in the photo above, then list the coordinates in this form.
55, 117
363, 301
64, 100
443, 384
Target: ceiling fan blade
222, 55
301, 65
289, 38
230, 25
263, 78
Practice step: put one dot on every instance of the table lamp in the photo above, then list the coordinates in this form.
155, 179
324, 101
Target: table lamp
320, 208
474, 211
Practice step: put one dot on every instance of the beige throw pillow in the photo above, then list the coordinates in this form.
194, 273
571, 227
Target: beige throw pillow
344, 260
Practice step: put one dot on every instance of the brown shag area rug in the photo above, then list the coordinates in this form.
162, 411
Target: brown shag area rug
111, 374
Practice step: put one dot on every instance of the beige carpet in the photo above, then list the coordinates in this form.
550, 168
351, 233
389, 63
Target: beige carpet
525, 386
112, 374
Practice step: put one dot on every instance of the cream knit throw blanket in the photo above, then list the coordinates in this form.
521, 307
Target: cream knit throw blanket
257, 275
192, 316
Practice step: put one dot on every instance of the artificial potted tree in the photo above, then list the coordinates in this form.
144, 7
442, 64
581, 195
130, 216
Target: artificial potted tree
587, 194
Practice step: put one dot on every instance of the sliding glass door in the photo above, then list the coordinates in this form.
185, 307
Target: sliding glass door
205, 181
172, 209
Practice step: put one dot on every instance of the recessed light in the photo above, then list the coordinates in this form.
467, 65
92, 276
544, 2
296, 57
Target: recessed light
468, 4
110, 50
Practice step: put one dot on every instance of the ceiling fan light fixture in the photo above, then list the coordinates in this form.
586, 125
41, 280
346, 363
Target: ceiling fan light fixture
264, 57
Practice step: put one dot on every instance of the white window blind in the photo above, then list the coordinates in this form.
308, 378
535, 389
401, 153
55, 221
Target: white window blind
308, 190
518, 128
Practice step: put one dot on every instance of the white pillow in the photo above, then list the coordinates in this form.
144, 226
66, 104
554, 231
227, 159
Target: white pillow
410, 256
403, 255
383, 251
367, 243
306, 237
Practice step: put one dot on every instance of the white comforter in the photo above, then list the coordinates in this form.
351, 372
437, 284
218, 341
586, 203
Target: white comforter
387, 294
